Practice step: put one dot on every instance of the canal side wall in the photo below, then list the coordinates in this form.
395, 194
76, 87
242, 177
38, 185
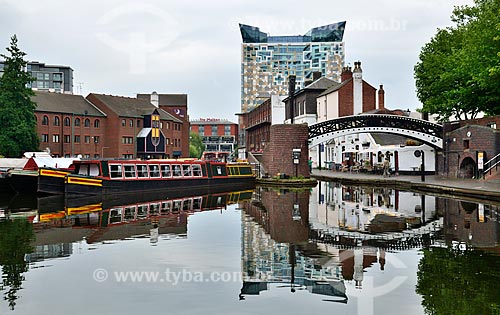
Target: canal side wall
277, 155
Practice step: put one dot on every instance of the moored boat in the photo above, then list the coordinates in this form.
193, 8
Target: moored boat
107, 177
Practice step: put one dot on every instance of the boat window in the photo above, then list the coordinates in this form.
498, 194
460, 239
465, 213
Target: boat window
196, 170
83, 170
186, 205
186, 170
115, 215
165, 207
154, 209
94, 170
197, 202
115, 170
142, 211
165, 171
219, 170
176, 206
142, 170
177, 170
154, 171
129, 213
129, 170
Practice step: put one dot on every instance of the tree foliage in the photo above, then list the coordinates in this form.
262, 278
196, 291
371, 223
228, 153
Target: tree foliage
455, 281
17, 118
15, 242
458, 74
196, 146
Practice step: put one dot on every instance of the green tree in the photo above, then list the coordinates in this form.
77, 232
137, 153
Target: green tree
455, 281
17, 118
456, 75
196, 146
15, 242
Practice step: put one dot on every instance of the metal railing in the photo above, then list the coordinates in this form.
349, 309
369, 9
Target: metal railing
492, 163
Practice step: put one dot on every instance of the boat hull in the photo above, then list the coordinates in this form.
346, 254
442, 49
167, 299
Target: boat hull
76, 186
51, 181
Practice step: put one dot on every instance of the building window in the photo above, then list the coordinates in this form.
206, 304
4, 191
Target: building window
96, 139
77, 139
201, 130
55, 138
466, 144
45, 120
57, 122
57, 77
67, 138
87, 123
227, 130
57, 85
97, 123
87, 139
77, 122
127, 140
168, 125
124, 123
128, 156
66, 122
167, 141
131, 123
215, 129
492, 125
45, 138
138, 123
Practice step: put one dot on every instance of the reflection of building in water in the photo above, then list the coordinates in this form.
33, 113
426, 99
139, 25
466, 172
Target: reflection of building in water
472, 223
366, 209
295, 262
265, 261
49, 251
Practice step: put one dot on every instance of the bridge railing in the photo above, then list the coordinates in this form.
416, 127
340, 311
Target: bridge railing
492, 163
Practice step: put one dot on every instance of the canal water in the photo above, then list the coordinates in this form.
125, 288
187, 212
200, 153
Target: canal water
332, 249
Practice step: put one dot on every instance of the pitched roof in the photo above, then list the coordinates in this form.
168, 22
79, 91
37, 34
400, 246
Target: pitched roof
335, 87
321, 83
132, 107
64, 103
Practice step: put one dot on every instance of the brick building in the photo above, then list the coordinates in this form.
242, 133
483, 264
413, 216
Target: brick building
351, 97
219, 136
69, 125
304, 109
128, 117
465, 142
177, 106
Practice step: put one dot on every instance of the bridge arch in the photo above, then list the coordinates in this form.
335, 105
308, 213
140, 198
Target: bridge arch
418, 129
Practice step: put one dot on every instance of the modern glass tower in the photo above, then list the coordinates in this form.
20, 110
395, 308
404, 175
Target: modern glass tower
267, 61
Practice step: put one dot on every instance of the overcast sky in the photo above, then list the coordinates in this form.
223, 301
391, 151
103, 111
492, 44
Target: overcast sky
193, 47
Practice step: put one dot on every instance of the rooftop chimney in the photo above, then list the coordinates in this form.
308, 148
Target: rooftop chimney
346, 74
381, 94
155, 99
317, 75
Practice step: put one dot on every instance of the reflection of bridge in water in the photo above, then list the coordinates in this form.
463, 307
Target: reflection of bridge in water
408, 239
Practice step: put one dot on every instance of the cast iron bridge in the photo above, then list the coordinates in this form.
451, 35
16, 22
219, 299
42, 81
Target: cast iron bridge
418, 129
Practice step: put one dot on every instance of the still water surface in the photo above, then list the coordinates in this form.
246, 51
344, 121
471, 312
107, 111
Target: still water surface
333, 249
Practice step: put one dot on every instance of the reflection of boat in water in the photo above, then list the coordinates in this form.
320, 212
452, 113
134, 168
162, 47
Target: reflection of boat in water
107, 177
97, 222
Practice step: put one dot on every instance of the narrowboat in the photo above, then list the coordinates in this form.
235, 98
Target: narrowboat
108, 177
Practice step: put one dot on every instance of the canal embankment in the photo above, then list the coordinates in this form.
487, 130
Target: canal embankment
473, 189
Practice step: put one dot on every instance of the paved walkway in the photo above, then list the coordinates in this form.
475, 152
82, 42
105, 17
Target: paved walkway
473, 188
